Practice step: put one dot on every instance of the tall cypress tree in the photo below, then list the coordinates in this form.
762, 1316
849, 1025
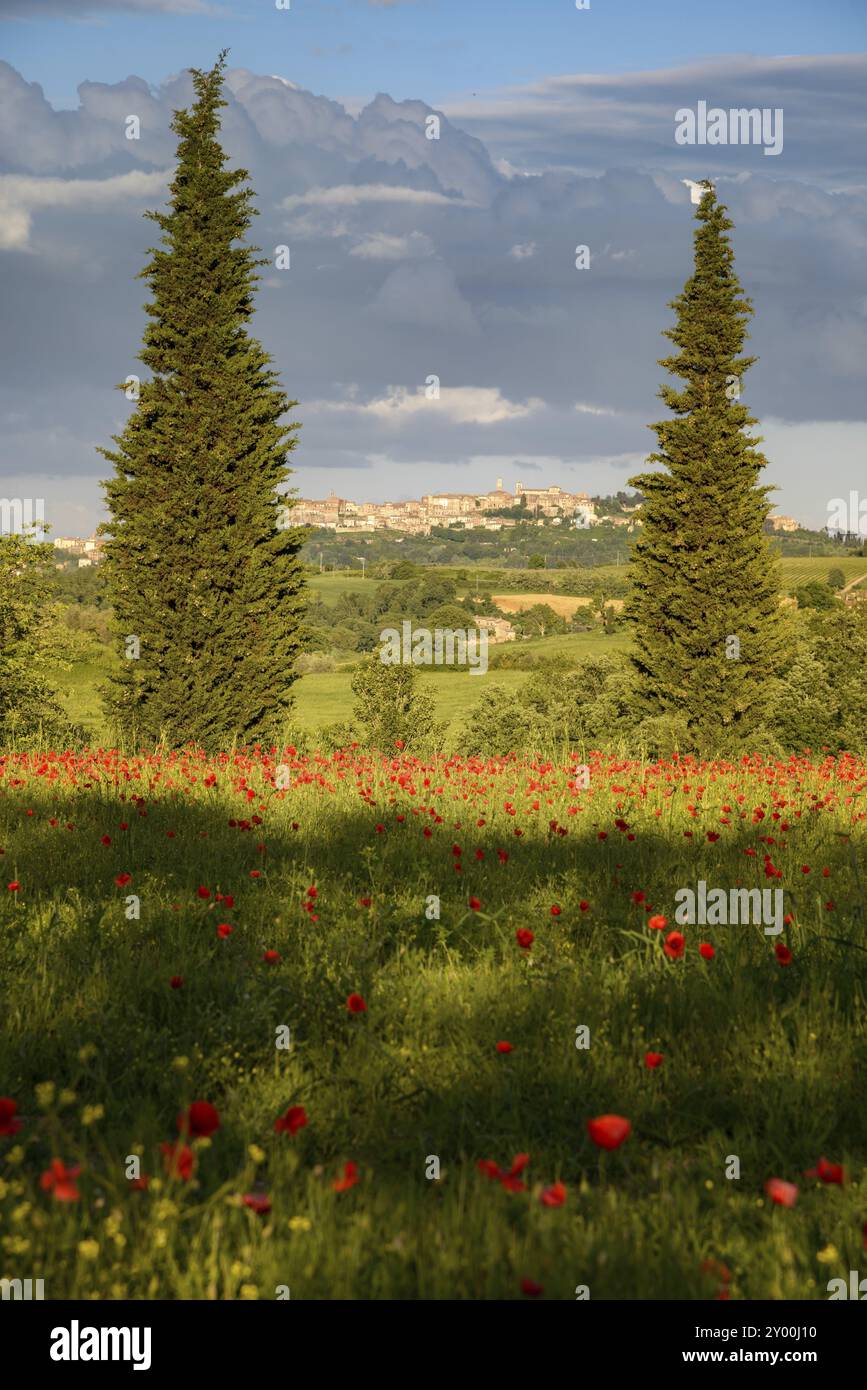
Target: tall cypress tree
705, 594
201, 566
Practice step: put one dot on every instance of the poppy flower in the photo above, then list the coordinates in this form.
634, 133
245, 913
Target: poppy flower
553, 1196
555, 910
203, 892
13, 886
355, 1004
531, 1288
830, 1172
60, 1181
105, 840
782, 953
638, 896
364, 902
475, 904
609, 1131
511, 1181
524, 938
349, 1179
224, 930
706, 951
290, 1123
584, 905
140, 1184
122, 880
501, 1047
785, 1194
658, 922
653, 1059
177, 982
258, 1202
489, 1168
675, 945
179, 1161
271, 957
199, 1120
8, 1122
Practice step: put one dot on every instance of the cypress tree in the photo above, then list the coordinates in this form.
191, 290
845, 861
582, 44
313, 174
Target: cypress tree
704, 586
201, 565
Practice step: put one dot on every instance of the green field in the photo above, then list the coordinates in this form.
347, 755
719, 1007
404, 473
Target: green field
133, 941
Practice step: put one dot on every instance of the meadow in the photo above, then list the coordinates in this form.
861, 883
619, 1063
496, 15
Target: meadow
373, 1026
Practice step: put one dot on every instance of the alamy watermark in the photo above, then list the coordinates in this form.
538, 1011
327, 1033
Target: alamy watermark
737, 907
737, 126
422, 646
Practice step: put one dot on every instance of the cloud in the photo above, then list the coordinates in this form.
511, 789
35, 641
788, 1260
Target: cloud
592, 121
354, 195
464, 405
410, 258
20, 197
379, 246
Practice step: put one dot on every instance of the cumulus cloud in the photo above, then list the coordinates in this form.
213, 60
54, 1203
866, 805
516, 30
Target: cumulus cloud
21, 196
414, 257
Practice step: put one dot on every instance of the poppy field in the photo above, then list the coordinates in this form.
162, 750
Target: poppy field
367, 1026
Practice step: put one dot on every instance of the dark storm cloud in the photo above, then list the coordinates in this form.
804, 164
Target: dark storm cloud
414, 257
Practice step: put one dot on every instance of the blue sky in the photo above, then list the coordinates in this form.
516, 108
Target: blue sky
434, 49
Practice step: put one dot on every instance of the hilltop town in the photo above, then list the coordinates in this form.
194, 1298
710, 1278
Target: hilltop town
487, 511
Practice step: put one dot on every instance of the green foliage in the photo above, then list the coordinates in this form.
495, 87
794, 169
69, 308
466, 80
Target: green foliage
703, 569
29, 648
390, 707
836, 579
201, 564
815, 594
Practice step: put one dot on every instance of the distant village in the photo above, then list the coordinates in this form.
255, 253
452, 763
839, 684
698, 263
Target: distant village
481, 511
485, 511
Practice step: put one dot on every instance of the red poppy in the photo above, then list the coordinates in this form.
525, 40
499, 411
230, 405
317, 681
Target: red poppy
675, 945
60, 1181
140, 1184
355, 1004
785, 1194
290, 1123
638, 896
271, 957
609, 1131
8, 1122
365, 902
782, 953
203, 892
105, 840
258, 1202
653, 1059
122, 880
13, 886
349, 1179
658, 922
177, 982
511, 1181
531, 1288
199, 1120
553, 1196
475, 904
489, 1168
706, 951
501, 1047
179, 1161
524, 938
830, 1172
584, 905
555, 911
224, 930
